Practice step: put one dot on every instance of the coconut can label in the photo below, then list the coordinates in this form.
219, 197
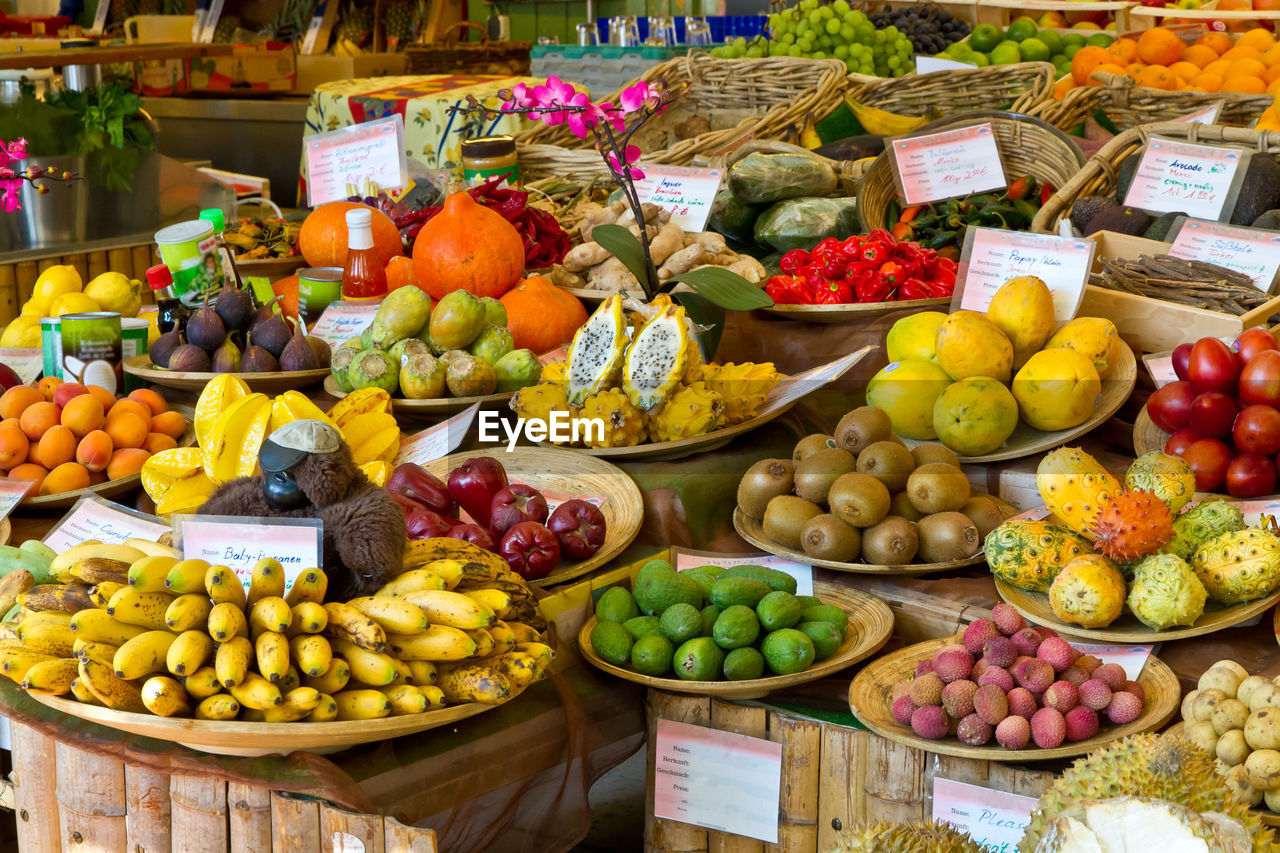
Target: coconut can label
318, 288
91, 349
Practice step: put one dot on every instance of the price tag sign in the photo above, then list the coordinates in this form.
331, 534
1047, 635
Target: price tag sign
437, 441
342, 321
373, 152
720, 780
802, 572
811, 380
11, 492
1251, 251
1180, 177
209, 24
95, 518
1204, 115
27, 362
950, 164
996, 820
556, 497
313, 33
1161, 369
929, 64
992, 256
1131, 658
687, 193
239, 543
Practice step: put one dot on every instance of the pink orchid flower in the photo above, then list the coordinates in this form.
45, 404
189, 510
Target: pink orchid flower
634, 98
10, 200
13, 151
632, 155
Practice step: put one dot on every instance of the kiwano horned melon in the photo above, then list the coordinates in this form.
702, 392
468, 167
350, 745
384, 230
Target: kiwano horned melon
1029, 554
1089, 592
1164, 475
1075, 486
1239, 566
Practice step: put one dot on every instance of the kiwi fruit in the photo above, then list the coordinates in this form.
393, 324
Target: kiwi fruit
810, 445
937, 487
784, 518
927, 453
858, 500
889, 463
763, 482
946, 536
984, 513
817, 471
900, 504
825, 537
892, 542
862, 428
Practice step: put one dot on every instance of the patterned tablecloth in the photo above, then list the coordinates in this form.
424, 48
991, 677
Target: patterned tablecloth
432, 136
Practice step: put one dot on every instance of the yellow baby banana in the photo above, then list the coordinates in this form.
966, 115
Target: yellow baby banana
272, 652
188, 612
189, 652
165, 697
143, 655
232, 661
187, 576
227, 621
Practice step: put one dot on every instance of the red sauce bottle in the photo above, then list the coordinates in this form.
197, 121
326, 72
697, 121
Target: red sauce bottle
363, 276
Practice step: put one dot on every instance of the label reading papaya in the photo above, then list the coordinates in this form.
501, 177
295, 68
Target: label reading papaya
992, 257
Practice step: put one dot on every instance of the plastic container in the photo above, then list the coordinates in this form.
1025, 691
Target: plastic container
133, 341
317, 288
190, 251
51, 343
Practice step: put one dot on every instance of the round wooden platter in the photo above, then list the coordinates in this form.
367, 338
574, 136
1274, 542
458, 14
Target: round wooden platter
1034, 606
254, 739
1268, 817
588, 294
266, 383
1026, 441
854, 311
111, 488
752, 530
564, 471
869, 699
6, 531
438, 406
1146, 435
870, 624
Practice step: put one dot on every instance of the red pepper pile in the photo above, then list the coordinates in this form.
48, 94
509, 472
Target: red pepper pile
545, 242
870, 268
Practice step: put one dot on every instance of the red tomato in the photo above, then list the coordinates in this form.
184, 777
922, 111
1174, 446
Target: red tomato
1170, 406
1212, 414
1179, 442
1260, 379
1212, 367
1251, 342
1182, 360
1257, 430
1209, 459
1250, 476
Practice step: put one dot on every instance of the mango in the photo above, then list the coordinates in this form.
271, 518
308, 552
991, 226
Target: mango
906, 391
975, 416
915, 337
1023, 309
968, 344
1057, 389
1096, 338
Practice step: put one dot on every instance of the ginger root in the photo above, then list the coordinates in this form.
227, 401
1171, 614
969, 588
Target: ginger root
668, 241
563, 278
612, 275
681, 262
585, 256
599, 215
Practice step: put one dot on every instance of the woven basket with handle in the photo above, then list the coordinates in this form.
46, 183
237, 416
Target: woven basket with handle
1127, 104
453, 55
1019, 87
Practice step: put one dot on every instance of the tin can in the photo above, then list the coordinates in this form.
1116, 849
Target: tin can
91, 349
317, 288
133, 341
190, 251
51, 343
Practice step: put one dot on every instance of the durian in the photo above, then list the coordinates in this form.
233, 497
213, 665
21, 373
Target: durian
918, 836
689, 411
743, 387
655, 359
597, 351
1121, 824
624, 424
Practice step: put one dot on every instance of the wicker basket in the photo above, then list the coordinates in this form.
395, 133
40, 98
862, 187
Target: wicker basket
1129, 105
774, 96
1022, 86
452, 55
1028, 146
1098, 177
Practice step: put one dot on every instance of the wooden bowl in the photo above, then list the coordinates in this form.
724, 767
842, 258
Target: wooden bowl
439, 406
271, 268
1146, 435
6, 530
1034, 606
752, 530
588, 294
870, 624
855, 311
111, 488
1267, 816
869, 699
565, 471
266, 383
1026, 441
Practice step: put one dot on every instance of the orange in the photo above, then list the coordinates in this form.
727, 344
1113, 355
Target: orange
107, 398
125, 462
36, 420
83, 415
1219, 43
1133, 69
1242, 52
67, 477
1108, 68
1158, 46
1123, 51
56, 446
1218, 66
1084, 62
1207, 82
1199, 55
1258, 39
29, 471
1273, 88
94, 451
1247, 85
127, 429
1246, 68
169, 423
15, 401
150, 399
1060, 89
1185, 70
48, 385
13, 446
1157, 77
1271, 74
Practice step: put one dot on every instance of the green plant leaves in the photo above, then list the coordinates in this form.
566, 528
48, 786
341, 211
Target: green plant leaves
703, 312
726, 289
624, 246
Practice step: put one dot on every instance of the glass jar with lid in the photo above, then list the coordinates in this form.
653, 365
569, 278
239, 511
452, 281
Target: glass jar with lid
487, 157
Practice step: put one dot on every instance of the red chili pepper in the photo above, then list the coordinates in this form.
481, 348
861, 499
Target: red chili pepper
853, 246
787, 290
1021, 188
876, 252
1046, 192
826, 244
909, 214
892, 273
872, 289
831, 263
882, 236
835, 293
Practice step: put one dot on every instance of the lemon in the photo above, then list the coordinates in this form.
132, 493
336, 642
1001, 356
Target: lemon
116, 292
24, 331
73, 303
31, 309
52, 283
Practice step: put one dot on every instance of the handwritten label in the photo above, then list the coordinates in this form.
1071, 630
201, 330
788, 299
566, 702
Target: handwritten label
11, 493
342, 321
1161, 369
1251, 251
996, 820
1131, 658
27, 362
930, 64
991, 257
1180, 177
948, 164
1204, 115
439, 440
719, 780
95, 518
687, 193
802, 572
555, 497
372, 152
295, 543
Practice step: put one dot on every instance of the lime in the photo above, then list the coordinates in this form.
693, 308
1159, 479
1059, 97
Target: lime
1033, 50
1021, 29
979, 59
1006, 53
1073, 39
1052, 40
1069, 51
984, 37
1100, 40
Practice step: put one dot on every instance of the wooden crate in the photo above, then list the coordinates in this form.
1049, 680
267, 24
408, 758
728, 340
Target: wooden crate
833, 776
68, 799
17, 279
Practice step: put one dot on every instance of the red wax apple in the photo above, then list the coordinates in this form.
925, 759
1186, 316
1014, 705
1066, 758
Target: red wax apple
1257, 430
1260, 379
1170, 406
1208, 459
475, 534
1251, 476
1251, 342
580, 528
1212, 367
414, 481
8, 379
516, 503
1212, 414
1179, 442
1182, 361
530, 549
473, 485
422, 523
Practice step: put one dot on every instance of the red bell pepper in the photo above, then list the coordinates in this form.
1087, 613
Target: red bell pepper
835, 293
914, 288
892, 273
795, 260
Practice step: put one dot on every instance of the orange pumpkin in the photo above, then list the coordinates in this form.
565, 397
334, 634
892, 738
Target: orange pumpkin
287, 288
323, 238
542, 316
467, 246
400, 272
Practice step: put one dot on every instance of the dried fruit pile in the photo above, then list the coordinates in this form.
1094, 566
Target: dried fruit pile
259, 239
874, 268
1015, 684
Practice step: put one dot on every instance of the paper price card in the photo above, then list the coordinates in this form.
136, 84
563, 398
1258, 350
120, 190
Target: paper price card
718, 780
555, 497
950, 164
789, 390
686, 192
27, 362
1131, 658
991, 257
996, 820
439, 440
929, 64
342, 321
373, 152
1204, 115
11, 492
95, 518
802, 572
1180, 177
295, 543
1251, 251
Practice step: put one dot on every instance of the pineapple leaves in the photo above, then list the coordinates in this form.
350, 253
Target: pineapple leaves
625, 246
726, 289
708, 316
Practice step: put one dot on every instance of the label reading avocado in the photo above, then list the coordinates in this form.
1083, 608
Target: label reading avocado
802, 572
1180, 177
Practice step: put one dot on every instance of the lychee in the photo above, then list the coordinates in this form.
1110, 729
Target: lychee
924, 667
1095, 694
930, 722
1124, 708
1045, 632
1136, 689
1088, 663
1061, 696
1000, 651
901, 688
952, 665
927, 690
1027, 641
957, 698
1112, 675
990, 704
979, 666
1021, 702
1048, 728
1007, 618
903, 707
951, 647
1057, 652
1075, 676
974, 731
1013, 732
997, 676
977, 634
1036, 675
1082, 723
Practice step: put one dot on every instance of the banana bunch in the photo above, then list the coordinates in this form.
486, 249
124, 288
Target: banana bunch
231, 423
135, 627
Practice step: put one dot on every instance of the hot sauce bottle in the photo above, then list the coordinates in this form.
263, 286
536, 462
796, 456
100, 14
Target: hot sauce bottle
363, 276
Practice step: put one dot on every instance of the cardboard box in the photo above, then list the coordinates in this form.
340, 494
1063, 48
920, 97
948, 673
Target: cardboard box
269, 67
157, 78
314, 70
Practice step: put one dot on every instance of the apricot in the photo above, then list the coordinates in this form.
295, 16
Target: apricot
47, 386
150, 399
29, 471
157, 441
94, 451
13, 445
104, 396
57, 445
132, 407
39, 418
127, 429
170, 423
18, 399
125, 462
83, 414
68, 391
67, 477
